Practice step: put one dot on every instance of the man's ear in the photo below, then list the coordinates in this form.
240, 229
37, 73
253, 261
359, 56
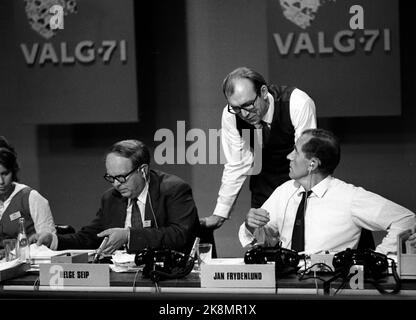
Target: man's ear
314, 163
144, 170
264, 91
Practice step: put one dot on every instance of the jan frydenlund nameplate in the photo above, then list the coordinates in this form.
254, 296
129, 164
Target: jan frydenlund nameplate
230, 273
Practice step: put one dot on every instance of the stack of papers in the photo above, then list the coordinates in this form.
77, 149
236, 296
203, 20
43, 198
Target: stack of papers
41, 254
124, 262
9, 264
12, 269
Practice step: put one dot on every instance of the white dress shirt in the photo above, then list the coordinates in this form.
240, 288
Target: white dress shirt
238, 156
335, 213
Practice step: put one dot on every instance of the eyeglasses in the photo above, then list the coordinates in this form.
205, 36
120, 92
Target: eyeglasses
120, 178
248, 106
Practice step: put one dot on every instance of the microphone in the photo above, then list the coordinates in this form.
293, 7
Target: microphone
193, 250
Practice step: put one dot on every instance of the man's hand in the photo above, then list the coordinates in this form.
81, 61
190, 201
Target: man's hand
212, 222
41, 238
117, 237
256, 218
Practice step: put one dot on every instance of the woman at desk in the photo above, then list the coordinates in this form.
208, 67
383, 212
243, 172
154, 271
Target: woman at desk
18, 200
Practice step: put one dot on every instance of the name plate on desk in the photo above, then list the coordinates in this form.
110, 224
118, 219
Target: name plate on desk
230, 273
406, 256
58, 275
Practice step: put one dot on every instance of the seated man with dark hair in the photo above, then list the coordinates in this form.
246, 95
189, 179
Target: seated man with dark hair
144, 208
317, 212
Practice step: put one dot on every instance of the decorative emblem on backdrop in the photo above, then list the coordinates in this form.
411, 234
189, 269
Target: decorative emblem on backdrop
301, 12
38, 14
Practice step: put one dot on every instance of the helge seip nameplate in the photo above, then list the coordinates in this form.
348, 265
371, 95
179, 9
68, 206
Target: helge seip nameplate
58, 275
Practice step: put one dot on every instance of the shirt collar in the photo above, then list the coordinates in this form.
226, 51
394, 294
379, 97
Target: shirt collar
268, 117
320, 189
142, 196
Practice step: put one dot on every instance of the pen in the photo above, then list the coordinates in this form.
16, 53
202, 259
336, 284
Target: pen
100, 249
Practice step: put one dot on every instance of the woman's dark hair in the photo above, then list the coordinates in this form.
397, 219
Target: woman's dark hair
8, 157
239, 73
323, 145
134, 150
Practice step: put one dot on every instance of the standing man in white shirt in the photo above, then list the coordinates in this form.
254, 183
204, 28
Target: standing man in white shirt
281, 113
333, 214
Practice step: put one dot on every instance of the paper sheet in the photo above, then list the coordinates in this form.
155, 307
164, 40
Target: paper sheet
41, 252
124, 262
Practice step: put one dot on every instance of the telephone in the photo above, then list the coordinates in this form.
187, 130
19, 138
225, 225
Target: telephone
161, 264
375, 263
286, 260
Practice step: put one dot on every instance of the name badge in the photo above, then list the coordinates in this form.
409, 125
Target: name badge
15, 215
147, 223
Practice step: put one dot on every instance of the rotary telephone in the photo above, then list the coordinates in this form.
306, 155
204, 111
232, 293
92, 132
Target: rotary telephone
375, 267
286, 260
375, 263
162, 264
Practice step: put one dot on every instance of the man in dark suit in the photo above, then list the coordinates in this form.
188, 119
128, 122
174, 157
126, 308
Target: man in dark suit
144, 208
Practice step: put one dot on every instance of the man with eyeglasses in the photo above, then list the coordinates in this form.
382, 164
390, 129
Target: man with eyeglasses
144, 208
281, 113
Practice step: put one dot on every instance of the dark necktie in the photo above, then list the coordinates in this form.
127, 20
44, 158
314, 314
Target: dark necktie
136, 217
265, 132
298, 235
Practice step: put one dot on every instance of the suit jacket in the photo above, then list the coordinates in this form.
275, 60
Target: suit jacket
174, 210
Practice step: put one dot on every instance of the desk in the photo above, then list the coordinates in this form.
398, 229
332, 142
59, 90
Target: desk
299, 297
132, 284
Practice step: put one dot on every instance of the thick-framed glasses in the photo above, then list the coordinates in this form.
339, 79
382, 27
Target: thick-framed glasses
120, 178
248, 106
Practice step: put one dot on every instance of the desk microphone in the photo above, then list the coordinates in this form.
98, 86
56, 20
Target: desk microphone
194, 248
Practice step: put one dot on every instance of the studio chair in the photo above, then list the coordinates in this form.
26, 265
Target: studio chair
64, 229
206, 235
366, 240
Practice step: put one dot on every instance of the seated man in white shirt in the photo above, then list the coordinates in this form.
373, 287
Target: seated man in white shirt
335, 211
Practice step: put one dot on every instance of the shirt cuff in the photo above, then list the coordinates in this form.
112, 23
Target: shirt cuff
246, 237
54, 244
222, 210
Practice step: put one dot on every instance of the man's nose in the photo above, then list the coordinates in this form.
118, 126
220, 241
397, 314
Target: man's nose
1, 179
290, 155
116, 183
244, 113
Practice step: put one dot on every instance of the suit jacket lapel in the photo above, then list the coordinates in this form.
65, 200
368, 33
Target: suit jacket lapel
121, 207
153, 197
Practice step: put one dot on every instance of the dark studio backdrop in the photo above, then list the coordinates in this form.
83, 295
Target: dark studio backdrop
61, 115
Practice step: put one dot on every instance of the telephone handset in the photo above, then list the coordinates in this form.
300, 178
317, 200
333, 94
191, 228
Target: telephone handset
375, 263
162, 264
286, 260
